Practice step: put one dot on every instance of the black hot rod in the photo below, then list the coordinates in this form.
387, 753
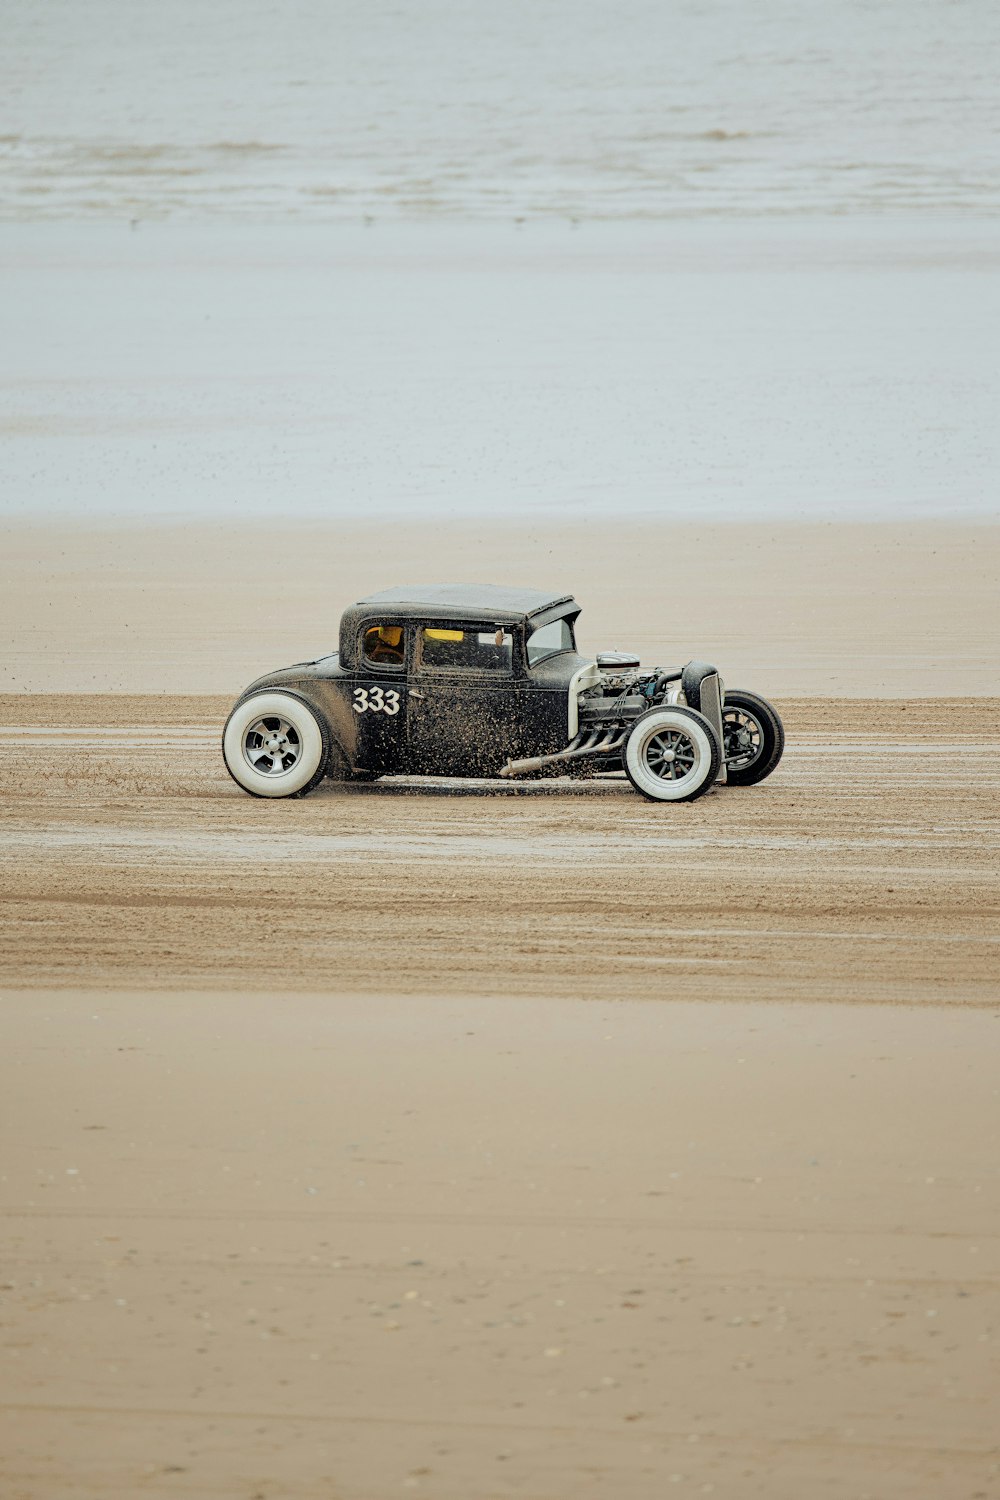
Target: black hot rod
476, 680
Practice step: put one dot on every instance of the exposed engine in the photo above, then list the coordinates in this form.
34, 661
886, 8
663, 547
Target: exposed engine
620, 676
619, 671
614, 691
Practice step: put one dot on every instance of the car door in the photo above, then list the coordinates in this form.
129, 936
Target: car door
462, 706
378, 695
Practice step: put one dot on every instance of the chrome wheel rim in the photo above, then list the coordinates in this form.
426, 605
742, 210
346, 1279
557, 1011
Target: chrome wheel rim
670, 754
271, 746
743, 738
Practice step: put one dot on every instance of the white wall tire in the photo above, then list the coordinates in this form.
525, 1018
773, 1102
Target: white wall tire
672, 754
275, 745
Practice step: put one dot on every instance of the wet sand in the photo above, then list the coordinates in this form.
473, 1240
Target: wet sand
289, 1245
577, 376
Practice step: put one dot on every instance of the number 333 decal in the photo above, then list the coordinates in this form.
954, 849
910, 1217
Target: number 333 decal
374, 700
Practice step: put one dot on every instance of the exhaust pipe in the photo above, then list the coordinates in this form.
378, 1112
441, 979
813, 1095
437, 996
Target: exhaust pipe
594, 743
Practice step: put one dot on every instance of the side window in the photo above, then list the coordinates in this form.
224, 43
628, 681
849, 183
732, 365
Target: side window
383, 646
550, 639
471, 650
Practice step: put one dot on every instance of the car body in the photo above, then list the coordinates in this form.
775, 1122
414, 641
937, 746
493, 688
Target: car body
483, 681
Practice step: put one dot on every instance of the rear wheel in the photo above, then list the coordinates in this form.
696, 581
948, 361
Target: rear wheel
275, 744
754, 738
672, 754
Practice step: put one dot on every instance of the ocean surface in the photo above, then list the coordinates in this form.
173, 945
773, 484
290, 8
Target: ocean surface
586, 109
573, 258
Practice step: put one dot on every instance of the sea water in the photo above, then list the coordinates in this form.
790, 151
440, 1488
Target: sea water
572, 258
498, 108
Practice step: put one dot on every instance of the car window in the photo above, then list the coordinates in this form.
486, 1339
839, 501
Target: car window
383, 646
548, 639
472, 650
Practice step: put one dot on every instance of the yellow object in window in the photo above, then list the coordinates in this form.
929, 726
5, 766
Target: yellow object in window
384, 643
444, 635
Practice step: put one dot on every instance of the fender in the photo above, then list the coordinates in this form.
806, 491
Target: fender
326, 704
702, 689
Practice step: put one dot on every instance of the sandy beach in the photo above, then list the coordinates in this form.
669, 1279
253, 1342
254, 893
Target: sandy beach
485, 1140
866, 871
801, 609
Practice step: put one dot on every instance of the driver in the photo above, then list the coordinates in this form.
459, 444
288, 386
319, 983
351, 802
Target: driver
384, 643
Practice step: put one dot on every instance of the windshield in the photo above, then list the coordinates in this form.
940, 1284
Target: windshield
549, 639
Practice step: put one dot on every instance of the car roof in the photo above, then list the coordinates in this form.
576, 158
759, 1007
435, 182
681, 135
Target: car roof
466, 598
491, 602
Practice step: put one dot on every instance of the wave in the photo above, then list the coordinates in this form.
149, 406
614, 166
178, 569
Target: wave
575, 109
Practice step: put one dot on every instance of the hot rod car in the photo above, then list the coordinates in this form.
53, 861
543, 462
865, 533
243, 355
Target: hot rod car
476, 680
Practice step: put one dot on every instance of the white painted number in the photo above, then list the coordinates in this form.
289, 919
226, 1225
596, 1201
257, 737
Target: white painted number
376, 701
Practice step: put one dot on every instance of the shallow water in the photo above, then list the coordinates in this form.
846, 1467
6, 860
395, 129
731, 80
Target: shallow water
721, 370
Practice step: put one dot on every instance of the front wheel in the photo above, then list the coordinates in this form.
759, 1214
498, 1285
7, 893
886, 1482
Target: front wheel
753, 736
275, 744
672, 754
